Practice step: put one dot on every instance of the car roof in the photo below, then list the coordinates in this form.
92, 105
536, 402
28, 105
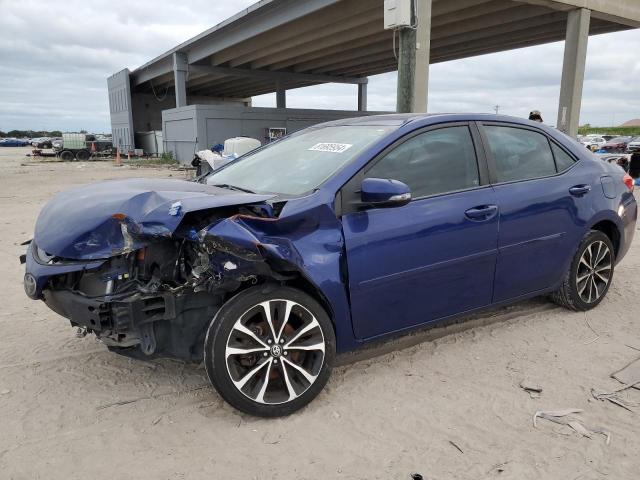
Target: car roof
399, 119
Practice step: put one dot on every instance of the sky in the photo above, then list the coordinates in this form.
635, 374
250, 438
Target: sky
55, 56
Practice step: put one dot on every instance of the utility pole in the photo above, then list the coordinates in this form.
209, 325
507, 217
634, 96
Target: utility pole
414, 59
497, 109
406, 67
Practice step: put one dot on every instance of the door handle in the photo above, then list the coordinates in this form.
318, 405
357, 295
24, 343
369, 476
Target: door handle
481, 213
580, 190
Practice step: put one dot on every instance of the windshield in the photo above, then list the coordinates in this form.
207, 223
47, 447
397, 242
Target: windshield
299, 163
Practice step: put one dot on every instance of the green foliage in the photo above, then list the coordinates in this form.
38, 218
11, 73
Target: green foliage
30, 134
166, 159
624, 131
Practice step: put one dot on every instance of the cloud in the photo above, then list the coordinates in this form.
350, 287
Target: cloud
54, 62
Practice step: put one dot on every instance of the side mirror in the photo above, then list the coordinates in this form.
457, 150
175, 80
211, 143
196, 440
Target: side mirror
384, 192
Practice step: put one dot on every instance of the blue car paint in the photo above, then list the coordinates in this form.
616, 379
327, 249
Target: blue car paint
380, 190
12, 142
422, 261
344, 258
79, 224
42, 272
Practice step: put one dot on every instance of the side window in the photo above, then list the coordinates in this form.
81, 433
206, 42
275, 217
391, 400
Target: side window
519, 154
433, 162
563, 160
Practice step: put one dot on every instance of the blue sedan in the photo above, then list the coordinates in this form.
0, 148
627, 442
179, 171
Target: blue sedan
338, 235
13, 142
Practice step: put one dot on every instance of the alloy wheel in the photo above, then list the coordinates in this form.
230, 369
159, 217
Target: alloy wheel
275, 351
594, 272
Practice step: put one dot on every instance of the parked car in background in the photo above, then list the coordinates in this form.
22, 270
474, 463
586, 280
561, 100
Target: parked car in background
336, 236
609, 137
616, 145
13, 142
43, 142
593, 143
634, 145
56, 143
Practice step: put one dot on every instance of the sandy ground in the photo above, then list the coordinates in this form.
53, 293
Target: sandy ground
71, 410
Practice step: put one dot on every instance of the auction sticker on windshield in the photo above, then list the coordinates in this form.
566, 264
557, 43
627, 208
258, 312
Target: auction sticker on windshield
331, 147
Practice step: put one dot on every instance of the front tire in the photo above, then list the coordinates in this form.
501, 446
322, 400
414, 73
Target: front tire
269, 350
590, 275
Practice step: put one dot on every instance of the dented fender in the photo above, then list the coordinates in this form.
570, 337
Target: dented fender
309, 242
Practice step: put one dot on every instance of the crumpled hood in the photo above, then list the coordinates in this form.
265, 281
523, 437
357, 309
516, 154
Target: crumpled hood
79, 224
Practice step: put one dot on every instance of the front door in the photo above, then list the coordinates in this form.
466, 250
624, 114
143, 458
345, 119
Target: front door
434, 257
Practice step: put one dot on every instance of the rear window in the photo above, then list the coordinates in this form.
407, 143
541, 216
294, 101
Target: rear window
519, 154
564, 161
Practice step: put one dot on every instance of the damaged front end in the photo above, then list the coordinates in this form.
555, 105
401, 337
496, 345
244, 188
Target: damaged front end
173, 259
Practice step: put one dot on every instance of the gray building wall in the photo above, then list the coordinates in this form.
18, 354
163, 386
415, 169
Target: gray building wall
120, 109
197, 127
147, 108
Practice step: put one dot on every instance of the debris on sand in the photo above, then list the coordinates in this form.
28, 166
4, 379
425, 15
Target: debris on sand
456, 446
533, 389
615, 397
629, 375
563, 417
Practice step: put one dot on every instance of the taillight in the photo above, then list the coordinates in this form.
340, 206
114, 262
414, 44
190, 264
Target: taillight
628, 181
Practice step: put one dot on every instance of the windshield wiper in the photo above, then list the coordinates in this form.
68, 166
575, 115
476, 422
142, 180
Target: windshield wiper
233, 187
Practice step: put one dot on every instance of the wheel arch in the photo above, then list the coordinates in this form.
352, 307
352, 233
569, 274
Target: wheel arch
611, 230
300, 282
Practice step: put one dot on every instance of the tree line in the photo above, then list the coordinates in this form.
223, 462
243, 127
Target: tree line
623, 131
31, 133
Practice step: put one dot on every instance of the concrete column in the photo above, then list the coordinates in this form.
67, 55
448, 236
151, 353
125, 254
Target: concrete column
423, 51
575, 57
281, 95
413, 60
362, 97
180, 66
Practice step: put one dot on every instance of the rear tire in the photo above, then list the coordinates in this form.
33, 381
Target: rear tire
590, 275
269, 350
83, 155
66, 155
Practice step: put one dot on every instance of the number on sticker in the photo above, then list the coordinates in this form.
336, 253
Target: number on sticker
331, 147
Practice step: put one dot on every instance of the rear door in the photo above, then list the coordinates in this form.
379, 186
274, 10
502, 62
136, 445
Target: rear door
539, 195
434, 257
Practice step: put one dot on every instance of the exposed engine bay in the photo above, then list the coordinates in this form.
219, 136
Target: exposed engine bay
161, 297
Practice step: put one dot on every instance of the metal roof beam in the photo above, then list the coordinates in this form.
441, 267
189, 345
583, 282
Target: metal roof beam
294, 29
355, 50
331, 52
505, 32
472, 11
162, 67
626, 12
284, 13
274, 75
339, 38
310, 36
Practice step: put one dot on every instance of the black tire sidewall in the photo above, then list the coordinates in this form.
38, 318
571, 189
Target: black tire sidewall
83, 155
218, 333
591, 237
